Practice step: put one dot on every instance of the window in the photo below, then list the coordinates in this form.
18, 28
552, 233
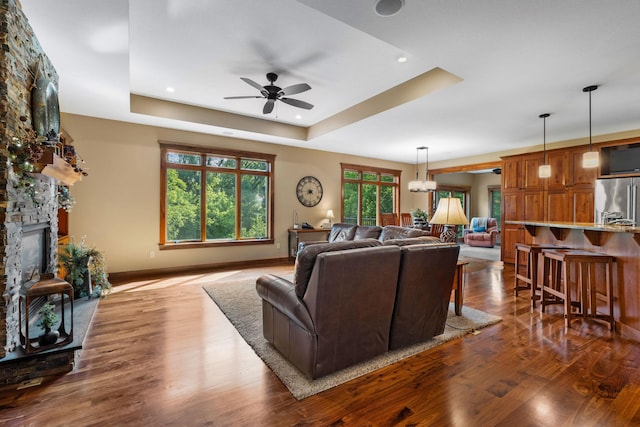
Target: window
215, 197
368, 192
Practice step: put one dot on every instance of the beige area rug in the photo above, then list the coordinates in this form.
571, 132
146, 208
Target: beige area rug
240, 303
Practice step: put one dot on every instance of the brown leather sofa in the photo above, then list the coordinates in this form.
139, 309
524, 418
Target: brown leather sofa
355, 299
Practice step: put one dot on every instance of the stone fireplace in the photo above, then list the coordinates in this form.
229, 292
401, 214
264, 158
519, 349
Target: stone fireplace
28, 214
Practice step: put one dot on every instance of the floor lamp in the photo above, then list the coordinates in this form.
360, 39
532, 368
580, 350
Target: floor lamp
449, 213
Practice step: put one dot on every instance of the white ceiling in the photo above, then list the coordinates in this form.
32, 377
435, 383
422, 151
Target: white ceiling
516, 59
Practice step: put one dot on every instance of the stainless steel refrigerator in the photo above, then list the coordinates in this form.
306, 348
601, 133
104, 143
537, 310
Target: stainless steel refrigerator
618, 199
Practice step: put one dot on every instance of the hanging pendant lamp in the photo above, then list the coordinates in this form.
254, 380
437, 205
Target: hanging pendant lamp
419, 186
544, 171
590, 159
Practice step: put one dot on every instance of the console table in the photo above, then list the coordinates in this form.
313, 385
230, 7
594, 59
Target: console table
296, 235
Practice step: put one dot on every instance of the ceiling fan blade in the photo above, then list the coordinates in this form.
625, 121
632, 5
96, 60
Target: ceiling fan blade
242, 97
268, 106
292, 90
297, 103
252, 83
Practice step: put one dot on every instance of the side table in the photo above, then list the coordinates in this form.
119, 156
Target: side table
458, 286
296, 235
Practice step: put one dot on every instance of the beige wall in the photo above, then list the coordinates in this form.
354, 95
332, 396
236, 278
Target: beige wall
479, 183
117, 205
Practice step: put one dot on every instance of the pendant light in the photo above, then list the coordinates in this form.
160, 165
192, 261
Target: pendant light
590, 159
428, 185
419, 186
544, 171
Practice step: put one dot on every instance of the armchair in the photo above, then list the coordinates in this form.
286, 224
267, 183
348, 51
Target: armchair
482, 232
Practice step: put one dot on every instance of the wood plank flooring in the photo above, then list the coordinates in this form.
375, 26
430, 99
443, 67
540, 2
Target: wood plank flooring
161, 353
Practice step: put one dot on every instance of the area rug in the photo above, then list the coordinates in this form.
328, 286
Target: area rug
240, 303
490, 254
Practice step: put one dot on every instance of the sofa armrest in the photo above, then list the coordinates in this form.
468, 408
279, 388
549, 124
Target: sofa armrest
281, 294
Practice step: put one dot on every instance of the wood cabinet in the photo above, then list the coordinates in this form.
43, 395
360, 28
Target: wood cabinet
521, 172
567, 195
570, 187
522, 199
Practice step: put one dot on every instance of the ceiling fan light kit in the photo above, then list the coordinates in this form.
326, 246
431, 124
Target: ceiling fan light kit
273, 93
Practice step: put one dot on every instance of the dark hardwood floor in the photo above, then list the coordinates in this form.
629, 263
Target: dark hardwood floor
160, 353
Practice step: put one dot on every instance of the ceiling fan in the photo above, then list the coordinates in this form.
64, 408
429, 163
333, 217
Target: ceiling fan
274, 93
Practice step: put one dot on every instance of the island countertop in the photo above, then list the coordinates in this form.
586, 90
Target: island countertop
590, 226
621, 242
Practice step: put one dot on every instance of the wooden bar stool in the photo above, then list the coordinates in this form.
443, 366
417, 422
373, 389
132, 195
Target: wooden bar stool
558, 263
529, 276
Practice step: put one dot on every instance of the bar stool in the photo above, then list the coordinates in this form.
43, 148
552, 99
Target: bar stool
530, 274
558, 264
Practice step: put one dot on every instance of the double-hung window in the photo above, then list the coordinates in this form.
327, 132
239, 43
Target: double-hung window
212, 196
368, 192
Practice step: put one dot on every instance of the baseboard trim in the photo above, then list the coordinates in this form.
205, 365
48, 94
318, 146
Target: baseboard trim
129, 276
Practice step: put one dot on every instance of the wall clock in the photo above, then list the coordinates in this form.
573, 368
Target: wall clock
309, 191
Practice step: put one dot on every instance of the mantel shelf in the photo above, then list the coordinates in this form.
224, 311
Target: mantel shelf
57, 168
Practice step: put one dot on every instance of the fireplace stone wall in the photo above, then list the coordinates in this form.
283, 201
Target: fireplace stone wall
21, 59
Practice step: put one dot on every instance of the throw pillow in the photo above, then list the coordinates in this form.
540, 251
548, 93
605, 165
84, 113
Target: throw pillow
479, 229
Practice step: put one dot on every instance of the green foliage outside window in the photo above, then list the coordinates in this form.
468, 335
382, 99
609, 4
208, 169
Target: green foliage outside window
184, 198
379, 193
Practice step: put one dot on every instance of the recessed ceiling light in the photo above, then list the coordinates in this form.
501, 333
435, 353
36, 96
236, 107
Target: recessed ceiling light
402, 59
298, 116
388, 7
170, 89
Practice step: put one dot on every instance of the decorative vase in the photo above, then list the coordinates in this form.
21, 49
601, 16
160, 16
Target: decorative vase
420, 223
49, 337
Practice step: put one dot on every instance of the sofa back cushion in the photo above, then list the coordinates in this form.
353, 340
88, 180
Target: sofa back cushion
307, 258
340, 232
423, 240
367, 232
424, 288
397, 232
350, 298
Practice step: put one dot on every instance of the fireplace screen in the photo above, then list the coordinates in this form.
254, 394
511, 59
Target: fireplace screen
34, 254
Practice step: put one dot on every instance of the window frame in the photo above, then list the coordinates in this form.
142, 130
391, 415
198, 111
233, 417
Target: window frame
362, 169
239, 155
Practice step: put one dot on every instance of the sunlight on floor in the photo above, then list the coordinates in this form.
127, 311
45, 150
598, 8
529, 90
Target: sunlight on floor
187, 280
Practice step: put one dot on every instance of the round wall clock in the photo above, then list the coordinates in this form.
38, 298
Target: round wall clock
309, 191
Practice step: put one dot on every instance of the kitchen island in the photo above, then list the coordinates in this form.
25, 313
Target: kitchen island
622, 242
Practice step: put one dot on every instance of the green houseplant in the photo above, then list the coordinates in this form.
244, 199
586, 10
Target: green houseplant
85, 268
420, 214
47, 319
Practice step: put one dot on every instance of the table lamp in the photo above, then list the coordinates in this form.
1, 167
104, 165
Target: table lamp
330, 216
449, 213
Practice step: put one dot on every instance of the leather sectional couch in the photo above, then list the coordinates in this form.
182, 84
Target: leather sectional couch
352, 300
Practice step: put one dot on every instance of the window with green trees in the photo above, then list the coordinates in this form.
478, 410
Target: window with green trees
367, 192
215, 196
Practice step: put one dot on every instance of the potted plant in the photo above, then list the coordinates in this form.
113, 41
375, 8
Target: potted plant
420, 217
85, 268
47, 319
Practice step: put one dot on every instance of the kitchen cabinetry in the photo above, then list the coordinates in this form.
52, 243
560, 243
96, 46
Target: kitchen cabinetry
522, 199
567, 195
570, 187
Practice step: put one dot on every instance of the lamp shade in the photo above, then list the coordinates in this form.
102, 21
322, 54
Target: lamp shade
590, 159
544, 171
449, 212
421, 186
330, 214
